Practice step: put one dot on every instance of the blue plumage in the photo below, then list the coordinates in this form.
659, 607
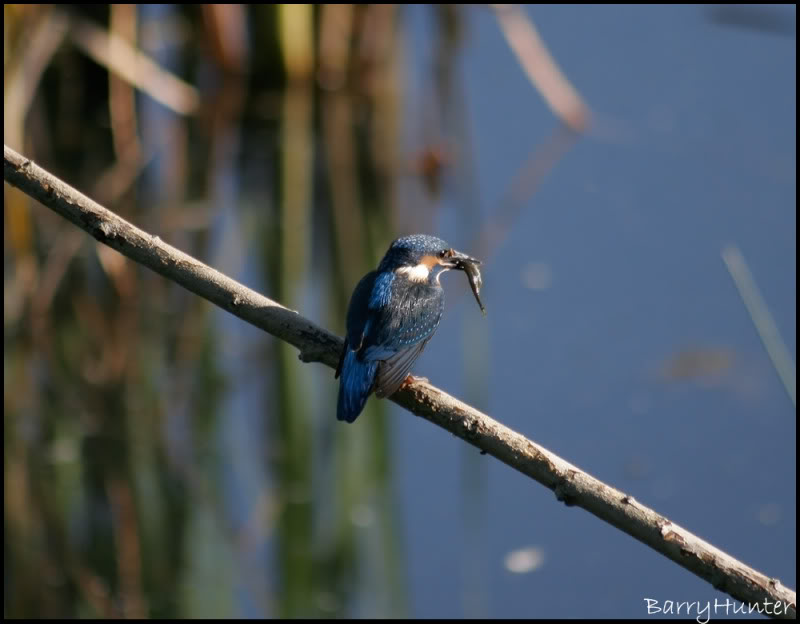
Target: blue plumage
354, 388
393, 312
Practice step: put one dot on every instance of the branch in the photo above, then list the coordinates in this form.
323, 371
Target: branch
571, 485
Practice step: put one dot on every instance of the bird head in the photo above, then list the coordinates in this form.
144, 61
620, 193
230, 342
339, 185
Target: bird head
422, 258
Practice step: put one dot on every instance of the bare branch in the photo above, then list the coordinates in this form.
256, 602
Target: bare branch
571, 485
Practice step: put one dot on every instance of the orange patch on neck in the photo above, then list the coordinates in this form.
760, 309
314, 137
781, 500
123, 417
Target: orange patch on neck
429, 261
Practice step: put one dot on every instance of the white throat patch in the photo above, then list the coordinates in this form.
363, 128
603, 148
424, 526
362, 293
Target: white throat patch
419, 273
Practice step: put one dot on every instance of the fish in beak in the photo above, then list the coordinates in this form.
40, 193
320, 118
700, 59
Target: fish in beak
462, 262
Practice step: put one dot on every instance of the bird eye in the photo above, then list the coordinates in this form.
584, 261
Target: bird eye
442, 253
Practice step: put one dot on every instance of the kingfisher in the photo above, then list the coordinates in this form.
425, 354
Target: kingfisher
393, 313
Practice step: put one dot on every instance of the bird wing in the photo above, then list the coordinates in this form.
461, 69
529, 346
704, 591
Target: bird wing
359, 316
403, 318
390, 321
392, 371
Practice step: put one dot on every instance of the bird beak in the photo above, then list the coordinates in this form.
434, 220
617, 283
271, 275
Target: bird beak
457, 260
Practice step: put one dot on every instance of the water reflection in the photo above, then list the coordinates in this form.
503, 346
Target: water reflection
197, 471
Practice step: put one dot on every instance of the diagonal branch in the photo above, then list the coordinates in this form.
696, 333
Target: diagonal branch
571, 485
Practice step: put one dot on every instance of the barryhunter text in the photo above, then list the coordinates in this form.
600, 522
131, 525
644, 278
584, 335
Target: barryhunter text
705, 610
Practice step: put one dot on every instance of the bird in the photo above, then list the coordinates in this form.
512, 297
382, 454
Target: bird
393, 313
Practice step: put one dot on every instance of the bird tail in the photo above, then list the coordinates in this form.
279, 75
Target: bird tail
356, 382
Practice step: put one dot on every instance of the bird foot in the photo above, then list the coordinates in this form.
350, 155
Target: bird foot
411, 379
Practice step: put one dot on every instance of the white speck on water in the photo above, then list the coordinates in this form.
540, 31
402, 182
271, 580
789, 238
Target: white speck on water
524, 560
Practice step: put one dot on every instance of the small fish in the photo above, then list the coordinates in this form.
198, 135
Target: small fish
470, 267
